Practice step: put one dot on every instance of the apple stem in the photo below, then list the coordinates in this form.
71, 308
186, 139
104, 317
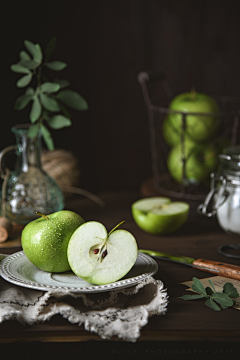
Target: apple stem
193, 93
115, 228
40, 214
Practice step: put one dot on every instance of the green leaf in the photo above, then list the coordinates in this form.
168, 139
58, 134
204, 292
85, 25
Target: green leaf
22, 102
24, 56
211, 283
39, 55
64, 110
29, 91
198, 286
50, 48
34, 51
59, 122
223, 299
35, 110
192, 297
56, 65
24, 81
212, 305
48, 103
33, 130
230, 290
63, 83
209, 290
19, 69
49, 87
29, 64
47, 138
72, 99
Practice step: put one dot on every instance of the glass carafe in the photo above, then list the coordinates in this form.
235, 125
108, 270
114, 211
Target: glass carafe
28, 188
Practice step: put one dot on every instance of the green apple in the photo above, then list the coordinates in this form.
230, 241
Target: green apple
159, 215
201, 160
199, 128
45, 240
100, 257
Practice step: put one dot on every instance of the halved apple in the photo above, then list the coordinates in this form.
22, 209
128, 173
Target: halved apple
100, 257
158, 215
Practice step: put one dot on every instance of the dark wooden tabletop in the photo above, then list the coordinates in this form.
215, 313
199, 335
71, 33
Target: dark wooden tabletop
185, 322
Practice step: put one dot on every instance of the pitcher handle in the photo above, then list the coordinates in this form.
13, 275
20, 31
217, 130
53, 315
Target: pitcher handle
2, 154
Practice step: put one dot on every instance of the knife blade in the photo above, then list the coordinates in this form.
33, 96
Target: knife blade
215, 267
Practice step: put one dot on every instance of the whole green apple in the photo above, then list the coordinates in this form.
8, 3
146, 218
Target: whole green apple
45, 240
158, 215
201, 160
199, 127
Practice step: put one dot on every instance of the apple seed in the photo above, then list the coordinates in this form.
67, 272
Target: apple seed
104, 254
95, 251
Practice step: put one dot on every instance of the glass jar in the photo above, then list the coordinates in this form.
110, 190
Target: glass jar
28, 188
224, 195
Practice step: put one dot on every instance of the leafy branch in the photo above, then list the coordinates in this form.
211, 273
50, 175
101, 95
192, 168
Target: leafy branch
214, 298
48, 99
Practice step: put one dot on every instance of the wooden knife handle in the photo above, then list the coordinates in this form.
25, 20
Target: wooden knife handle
226, 270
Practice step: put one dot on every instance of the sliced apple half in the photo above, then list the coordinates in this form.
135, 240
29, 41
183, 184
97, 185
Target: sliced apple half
100, 257
159, 215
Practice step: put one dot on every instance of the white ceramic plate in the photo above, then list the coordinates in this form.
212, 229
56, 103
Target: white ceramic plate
18, 270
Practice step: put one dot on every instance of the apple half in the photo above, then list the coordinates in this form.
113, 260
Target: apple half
100, 257
159, 215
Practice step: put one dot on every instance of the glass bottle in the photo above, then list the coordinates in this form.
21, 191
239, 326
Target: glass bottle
28, 188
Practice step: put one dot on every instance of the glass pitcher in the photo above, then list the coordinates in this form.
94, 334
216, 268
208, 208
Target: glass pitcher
28, 188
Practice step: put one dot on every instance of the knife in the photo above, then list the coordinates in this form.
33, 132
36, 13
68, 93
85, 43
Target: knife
215, 267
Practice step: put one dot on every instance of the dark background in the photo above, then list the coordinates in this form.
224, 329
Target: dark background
106, 44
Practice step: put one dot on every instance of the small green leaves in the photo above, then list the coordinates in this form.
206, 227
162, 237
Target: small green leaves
47, 137
48, 99
49, 87
59, 122
34, 50
33, 130
230, 290
72, 99
198, 286
19, 69
56, 65
215, 300
212, 305
22, 102
48, 103
24, 81
35, 110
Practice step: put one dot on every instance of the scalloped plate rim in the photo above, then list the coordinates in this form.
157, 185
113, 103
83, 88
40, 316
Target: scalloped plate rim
120, 284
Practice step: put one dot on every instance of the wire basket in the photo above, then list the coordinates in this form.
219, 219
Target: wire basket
152, 82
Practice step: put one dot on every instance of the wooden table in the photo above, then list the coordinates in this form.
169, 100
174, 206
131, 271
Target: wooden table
188, 328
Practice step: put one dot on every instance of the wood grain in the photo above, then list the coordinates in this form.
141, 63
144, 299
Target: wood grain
219, 268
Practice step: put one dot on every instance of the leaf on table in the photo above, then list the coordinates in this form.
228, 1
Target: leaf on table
192, 297
198, 286
212, 305
230, 290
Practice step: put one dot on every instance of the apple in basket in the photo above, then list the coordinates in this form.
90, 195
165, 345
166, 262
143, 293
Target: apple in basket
199, 127
100, 257
45, 240
200, 161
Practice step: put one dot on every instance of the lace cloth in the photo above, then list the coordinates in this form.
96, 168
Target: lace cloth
121, 312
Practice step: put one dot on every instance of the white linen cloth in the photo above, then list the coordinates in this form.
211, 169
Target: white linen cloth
121, 312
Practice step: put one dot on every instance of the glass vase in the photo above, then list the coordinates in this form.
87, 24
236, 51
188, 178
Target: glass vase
27, 189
